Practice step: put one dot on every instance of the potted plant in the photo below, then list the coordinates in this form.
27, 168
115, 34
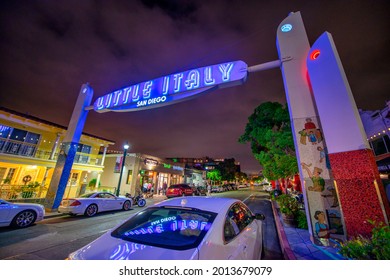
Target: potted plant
289, 208
29, 190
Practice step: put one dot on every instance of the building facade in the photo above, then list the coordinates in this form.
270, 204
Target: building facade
139, 170
29, 148
377, 127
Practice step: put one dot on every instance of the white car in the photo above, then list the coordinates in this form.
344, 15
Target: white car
195, 228
20, 215
91, 203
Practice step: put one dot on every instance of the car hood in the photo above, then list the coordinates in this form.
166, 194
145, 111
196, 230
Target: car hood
107, 247
27, 205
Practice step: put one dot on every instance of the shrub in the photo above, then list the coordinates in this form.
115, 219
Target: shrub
376, 247
301, 220
288, 205
274, 194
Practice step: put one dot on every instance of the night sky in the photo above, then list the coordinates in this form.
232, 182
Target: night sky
48, 49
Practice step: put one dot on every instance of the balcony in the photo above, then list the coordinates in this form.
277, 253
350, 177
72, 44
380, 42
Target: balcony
31, 151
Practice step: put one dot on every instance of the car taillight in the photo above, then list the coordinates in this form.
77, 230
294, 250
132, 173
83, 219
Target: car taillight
75, 203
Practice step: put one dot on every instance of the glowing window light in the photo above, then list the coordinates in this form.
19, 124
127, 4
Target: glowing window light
315, 54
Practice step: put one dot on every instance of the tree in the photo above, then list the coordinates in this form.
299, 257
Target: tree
241, 176
269, 132
227, 169
214, 175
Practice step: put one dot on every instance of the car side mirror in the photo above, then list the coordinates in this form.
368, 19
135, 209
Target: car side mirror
259, 216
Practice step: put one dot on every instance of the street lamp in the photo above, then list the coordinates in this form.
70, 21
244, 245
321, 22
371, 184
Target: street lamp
125, 147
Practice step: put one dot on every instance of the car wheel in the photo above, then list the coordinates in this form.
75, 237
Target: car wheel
24, 219
127, 205
91, 210
141, 202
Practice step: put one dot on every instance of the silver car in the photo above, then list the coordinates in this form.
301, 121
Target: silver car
20, 215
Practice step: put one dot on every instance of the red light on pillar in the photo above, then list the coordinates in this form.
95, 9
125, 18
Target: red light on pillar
315, 54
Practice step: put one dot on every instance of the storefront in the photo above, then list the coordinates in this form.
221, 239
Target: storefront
142, 173
158, 172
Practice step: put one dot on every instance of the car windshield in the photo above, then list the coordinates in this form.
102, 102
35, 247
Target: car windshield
167, 227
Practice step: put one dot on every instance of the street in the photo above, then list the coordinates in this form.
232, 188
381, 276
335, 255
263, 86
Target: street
55, 238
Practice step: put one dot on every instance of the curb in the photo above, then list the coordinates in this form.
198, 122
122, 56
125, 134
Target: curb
285, 246
54, 215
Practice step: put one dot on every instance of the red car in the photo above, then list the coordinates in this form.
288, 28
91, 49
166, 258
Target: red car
179, 190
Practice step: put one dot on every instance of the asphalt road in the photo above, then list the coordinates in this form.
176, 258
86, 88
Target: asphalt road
55, 238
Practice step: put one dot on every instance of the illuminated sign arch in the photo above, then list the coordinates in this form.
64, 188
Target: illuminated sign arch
173, 88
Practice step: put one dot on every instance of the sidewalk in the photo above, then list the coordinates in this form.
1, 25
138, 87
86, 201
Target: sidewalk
296, 244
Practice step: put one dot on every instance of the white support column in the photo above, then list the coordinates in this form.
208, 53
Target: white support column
102, 163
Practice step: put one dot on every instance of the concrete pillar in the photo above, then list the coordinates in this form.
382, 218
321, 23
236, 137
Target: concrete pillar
68, 150
361, 193
316, 179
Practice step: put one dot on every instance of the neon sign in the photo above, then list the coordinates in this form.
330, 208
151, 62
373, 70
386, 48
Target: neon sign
151, 162
173, 88
170, 224
286, 28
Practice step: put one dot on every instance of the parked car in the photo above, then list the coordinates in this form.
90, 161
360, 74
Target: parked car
20, 215
179, 190
216, 189
208, 228
91, 203
201, 190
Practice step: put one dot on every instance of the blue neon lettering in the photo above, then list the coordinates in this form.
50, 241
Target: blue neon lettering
177, 78
225, 70
151, 93
100, 103
147, 89
126, 95
135, 96
208, 77
159, 228
183, 225
192, 79
108, 100
194, 224
165, 85
116, 98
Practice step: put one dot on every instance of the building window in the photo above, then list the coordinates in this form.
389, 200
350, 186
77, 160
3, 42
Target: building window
11, 173
73, 179
2, 173
129, 177
18, 141
381, 145
82, 155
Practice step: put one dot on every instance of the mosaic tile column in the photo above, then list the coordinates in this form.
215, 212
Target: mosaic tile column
360, 190
321, 203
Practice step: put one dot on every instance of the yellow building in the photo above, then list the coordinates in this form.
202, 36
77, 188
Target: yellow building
29, 148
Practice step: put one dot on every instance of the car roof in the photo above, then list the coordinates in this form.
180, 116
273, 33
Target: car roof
213, 204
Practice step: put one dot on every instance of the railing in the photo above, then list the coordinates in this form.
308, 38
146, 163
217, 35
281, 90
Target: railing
30, 151
16, 192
